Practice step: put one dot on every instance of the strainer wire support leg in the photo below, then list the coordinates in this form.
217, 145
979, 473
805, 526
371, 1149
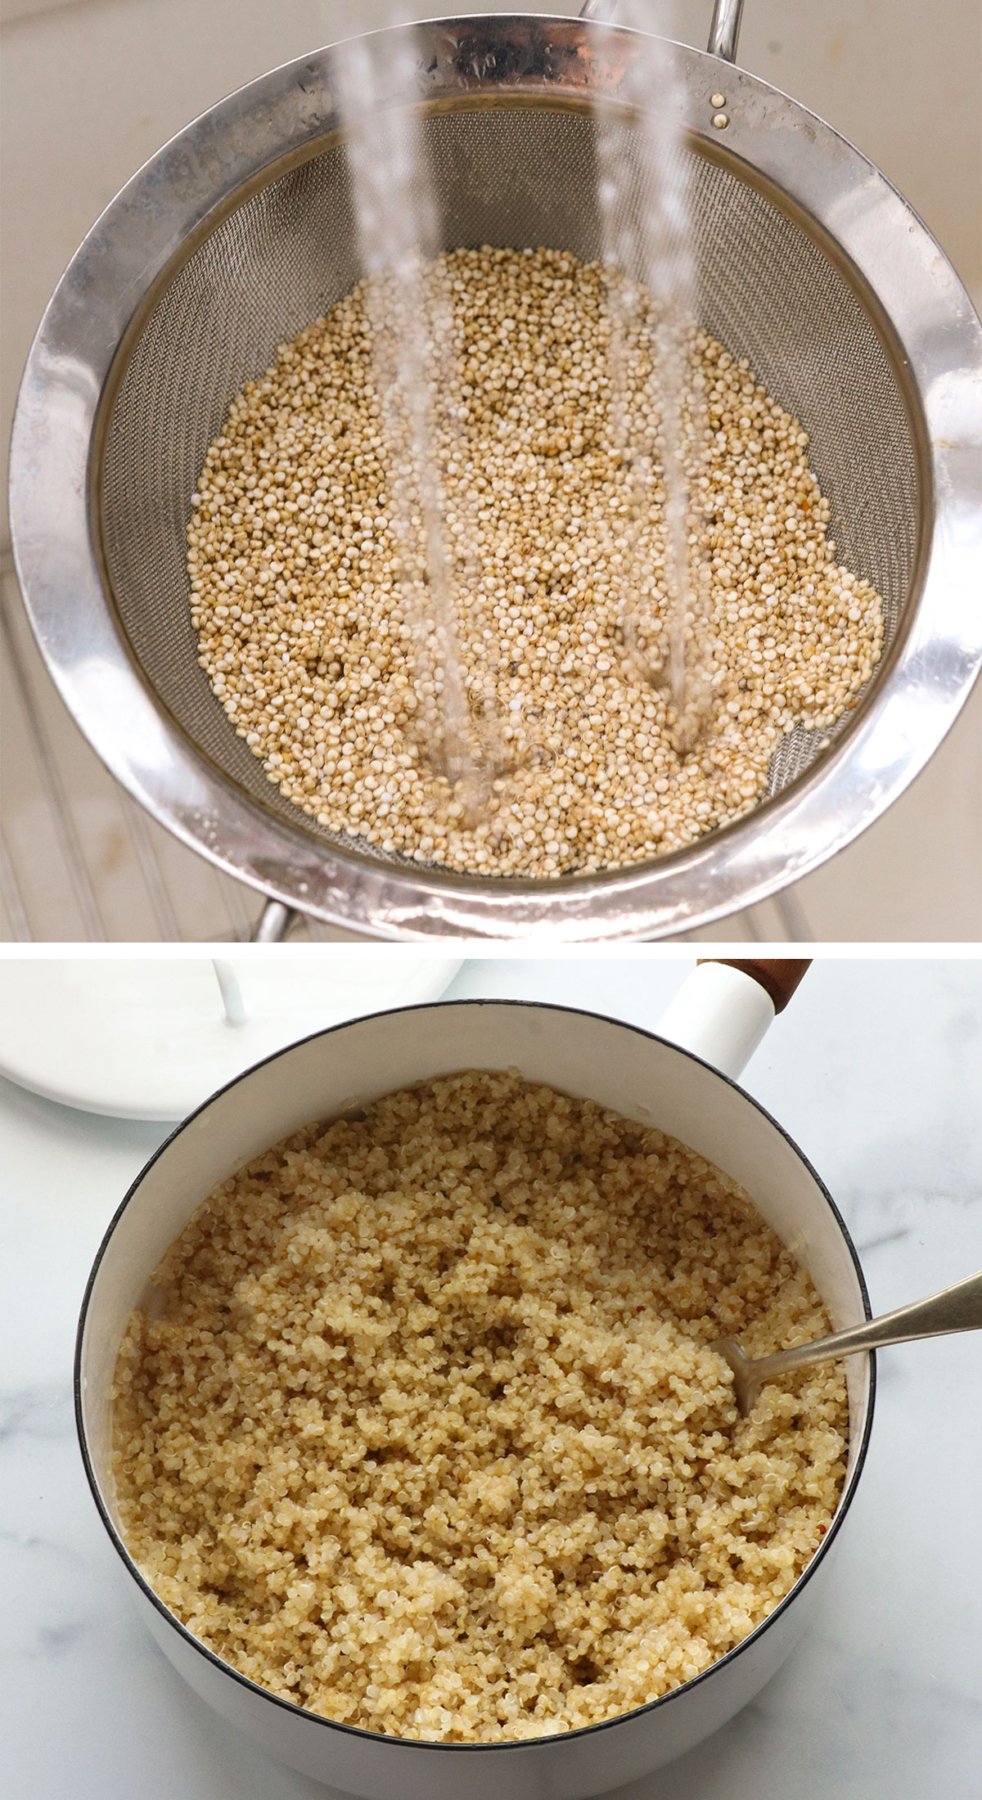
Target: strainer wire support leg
273, 924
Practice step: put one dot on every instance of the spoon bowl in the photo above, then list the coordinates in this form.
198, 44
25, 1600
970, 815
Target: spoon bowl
956, 1308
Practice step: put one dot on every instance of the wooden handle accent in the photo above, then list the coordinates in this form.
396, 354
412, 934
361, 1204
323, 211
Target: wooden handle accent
779, 976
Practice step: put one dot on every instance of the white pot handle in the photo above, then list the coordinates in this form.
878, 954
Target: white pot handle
724, 1008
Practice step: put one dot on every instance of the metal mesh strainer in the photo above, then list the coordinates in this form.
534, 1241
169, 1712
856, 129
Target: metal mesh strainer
240, 232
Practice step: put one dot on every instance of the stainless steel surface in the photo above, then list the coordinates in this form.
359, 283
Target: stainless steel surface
239, 232
68, 829
273, 923
724, 32
956, 1308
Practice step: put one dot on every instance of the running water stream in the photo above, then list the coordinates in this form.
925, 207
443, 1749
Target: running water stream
412, 330
651, 287
643, 206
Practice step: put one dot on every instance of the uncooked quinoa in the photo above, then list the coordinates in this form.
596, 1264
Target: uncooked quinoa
297, 588
424, 1433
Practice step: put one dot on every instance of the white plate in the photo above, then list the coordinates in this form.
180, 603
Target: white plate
150, 1039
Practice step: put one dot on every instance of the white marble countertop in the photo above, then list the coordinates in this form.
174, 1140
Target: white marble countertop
877, 1071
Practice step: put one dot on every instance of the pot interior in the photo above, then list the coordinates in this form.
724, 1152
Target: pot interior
616, 1065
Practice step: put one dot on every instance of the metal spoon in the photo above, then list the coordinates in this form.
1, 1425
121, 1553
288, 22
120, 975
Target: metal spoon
957, 1308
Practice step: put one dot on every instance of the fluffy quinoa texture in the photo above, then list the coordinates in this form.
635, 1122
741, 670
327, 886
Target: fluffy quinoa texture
423, 1431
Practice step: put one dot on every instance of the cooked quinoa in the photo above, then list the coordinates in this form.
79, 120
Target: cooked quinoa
297, 585
424, 1433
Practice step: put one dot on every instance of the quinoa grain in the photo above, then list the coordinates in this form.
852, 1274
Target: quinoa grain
298, 597
424, 1431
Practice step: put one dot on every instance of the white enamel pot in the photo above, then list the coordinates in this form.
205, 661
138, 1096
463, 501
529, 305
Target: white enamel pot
717, 1019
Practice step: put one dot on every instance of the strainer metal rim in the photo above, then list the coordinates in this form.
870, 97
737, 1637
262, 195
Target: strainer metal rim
924, 680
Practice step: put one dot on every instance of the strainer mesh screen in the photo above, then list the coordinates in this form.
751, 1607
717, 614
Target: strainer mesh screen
517, 176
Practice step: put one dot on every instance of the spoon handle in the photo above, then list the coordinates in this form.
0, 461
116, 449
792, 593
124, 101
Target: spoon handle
957, 1308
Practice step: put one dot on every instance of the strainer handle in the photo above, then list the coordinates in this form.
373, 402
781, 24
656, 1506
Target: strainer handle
724, 31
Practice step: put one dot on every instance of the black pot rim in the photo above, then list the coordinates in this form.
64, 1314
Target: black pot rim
385, 1739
